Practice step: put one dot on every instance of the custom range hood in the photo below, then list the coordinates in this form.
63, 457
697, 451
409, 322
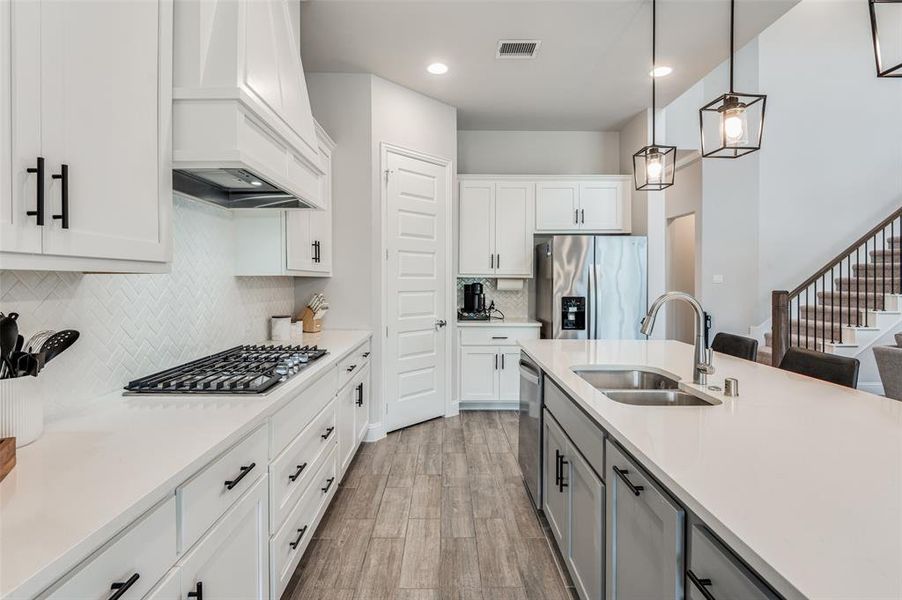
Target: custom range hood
243, 135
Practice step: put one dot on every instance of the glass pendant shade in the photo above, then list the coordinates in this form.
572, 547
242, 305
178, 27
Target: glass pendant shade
653, 167
886, 31
732, 125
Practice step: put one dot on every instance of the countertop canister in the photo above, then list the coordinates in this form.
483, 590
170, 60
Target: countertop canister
21, 409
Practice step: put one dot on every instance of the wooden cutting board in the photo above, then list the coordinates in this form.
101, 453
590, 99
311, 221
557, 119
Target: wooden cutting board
7, 456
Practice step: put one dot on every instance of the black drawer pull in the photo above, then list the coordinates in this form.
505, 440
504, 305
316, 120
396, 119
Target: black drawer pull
557, 467
198, 591
297, 473
329, 431
702, 584
63, 176
360, 394
499, 337
38, 211
351, 368
297, 541
244, 471
366, 355
562, 484
120, 587
622, 474
329, 483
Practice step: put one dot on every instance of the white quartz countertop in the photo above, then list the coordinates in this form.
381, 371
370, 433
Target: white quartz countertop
802, 478
500, 323
91, 474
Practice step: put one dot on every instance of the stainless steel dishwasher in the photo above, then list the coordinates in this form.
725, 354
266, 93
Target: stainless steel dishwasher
529, 451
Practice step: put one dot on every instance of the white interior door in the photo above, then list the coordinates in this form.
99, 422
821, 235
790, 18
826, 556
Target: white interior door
416, 283
104, 115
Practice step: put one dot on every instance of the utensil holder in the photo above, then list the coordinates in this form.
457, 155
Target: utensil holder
311, 324
21, 409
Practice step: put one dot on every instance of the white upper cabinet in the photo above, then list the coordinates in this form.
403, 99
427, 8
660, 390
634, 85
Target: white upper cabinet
496, 227
240, 97
87, 86
597, 204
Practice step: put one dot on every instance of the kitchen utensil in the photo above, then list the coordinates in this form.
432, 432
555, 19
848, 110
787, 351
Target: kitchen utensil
20, 341
57, 344
35, 341
9, 336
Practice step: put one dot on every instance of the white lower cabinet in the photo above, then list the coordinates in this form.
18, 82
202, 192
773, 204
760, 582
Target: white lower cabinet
488, 363
714, 571
232, 559
353, 415
555, 469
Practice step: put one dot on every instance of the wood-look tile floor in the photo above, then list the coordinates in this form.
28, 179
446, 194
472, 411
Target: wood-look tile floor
437, 511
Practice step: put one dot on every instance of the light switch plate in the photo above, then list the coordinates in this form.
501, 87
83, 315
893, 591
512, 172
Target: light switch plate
717, 279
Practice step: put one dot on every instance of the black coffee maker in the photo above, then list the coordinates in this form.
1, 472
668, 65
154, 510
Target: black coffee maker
474, 298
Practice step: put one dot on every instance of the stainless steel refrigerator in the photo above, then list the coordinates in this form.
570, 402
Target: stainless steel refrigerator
591, 287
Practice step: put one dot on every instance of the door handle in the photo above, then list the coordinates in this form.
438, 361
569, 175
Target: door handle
329, 431
557, 467
491, 261
328, 485
301, 467
497, 261
360, 394
63, 176
244, 471
701, 584
502, 362
38, 211
297, 542
576, 217
496, 362
582, 216
562, 484
198, 592
439, 323
622, 474
120, 587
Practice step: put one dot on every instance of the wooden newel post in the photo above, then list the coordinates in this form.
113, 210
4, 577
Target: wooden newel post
779, 325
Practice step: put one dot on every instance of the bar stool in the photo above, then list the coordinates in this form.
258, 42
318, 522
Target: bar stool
735, 345
840, 370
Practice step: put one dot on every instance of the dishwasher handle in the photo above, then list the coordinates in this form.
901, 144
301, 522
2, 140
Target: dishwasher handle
529, 373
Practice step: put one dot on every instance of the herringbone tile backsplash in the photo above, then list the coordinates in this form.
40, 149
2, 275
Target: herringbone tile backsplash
133, 325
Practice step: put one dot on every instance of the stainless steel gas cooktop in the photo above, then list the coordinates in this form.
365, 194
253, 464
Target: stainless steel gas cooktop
239, 370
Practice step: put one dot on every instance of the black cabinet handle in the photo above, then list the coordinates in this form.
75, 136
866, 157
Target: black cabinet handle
63, 176
502, 362
562, 484
351, 368
702, 584
297, 473
582, 216
329, 483
329, 431
120, 587
198, 591
557, 467
622, 474
38, 212
360, 394
366, 355
576, 217
499, 337
244, 471
491, 261
297, 541
497, 261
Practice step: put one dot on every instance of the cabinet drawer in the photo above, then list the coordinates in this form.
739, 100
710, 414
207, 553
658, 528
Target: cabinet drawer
207, 495
584, 434
295, 416
138, 558
292, 470
713, 568
287, 546
353, 364
496, 336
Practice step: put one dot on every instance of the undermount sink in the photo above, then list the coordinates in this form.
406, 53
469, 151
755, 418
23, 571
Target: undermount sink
655, 398
639, 388
627, 379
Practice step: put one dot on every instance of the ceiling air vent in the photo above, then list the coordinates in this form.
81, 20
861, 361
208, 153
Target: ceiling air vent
517, 48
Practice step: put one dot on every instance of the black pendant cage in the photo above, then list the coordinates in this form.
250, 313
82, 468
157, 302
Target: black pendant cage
653, 167
721, 139
886, 18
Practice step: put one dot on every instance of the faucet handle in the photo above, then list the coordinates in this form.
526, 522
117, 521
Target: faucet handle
707, 367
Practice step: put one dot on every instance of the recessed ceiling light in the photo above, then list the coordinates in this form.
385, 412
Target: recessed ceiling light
661, 71
437, 68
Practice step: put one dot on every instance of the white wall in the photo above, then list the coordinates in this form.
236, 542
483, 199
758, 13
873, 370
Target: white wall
538, 152
633, 137
831, 166
360, 112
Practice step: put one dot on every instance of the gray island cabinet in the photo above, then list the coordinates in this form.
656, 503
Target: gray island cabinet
622, 535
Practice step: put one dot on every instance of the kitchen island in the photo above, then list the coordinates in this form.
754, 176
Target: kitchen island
801, 479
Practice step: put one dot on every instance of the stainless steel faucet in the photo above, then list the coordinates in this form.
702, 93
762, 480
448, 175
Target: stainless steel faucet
703, 365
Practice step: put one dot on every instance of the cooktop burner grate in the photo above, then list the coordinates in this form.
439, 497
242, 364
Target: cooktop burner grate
238, 370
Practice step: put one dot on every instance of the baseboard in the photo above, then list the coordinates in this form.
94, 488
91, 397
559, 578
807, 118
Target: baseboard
453, 410
374, 432
489, 406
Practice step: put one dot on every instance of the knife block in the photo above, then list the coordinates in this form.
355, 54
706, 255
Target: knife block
311, 325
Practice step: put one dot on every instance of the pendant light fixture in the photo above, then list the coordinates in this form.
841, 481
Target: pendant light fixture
731, 125
653, 166
887, 14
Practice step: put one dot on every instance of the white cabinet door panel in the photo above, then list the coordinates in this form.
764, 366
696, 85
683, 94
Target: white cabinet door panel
509, 375
600, 205
557, 203
555, 503
477, 228
362, 408
345, 412
105, 77
20, 125
232, 560
298, 243
514, 224
586, 555
479, 373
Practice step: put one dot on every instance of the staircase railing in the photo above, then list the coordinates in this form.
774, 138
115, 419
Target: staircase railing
847, 287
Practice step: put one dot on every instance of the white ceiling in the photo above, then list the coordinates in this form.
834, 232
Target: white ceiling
591, 72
